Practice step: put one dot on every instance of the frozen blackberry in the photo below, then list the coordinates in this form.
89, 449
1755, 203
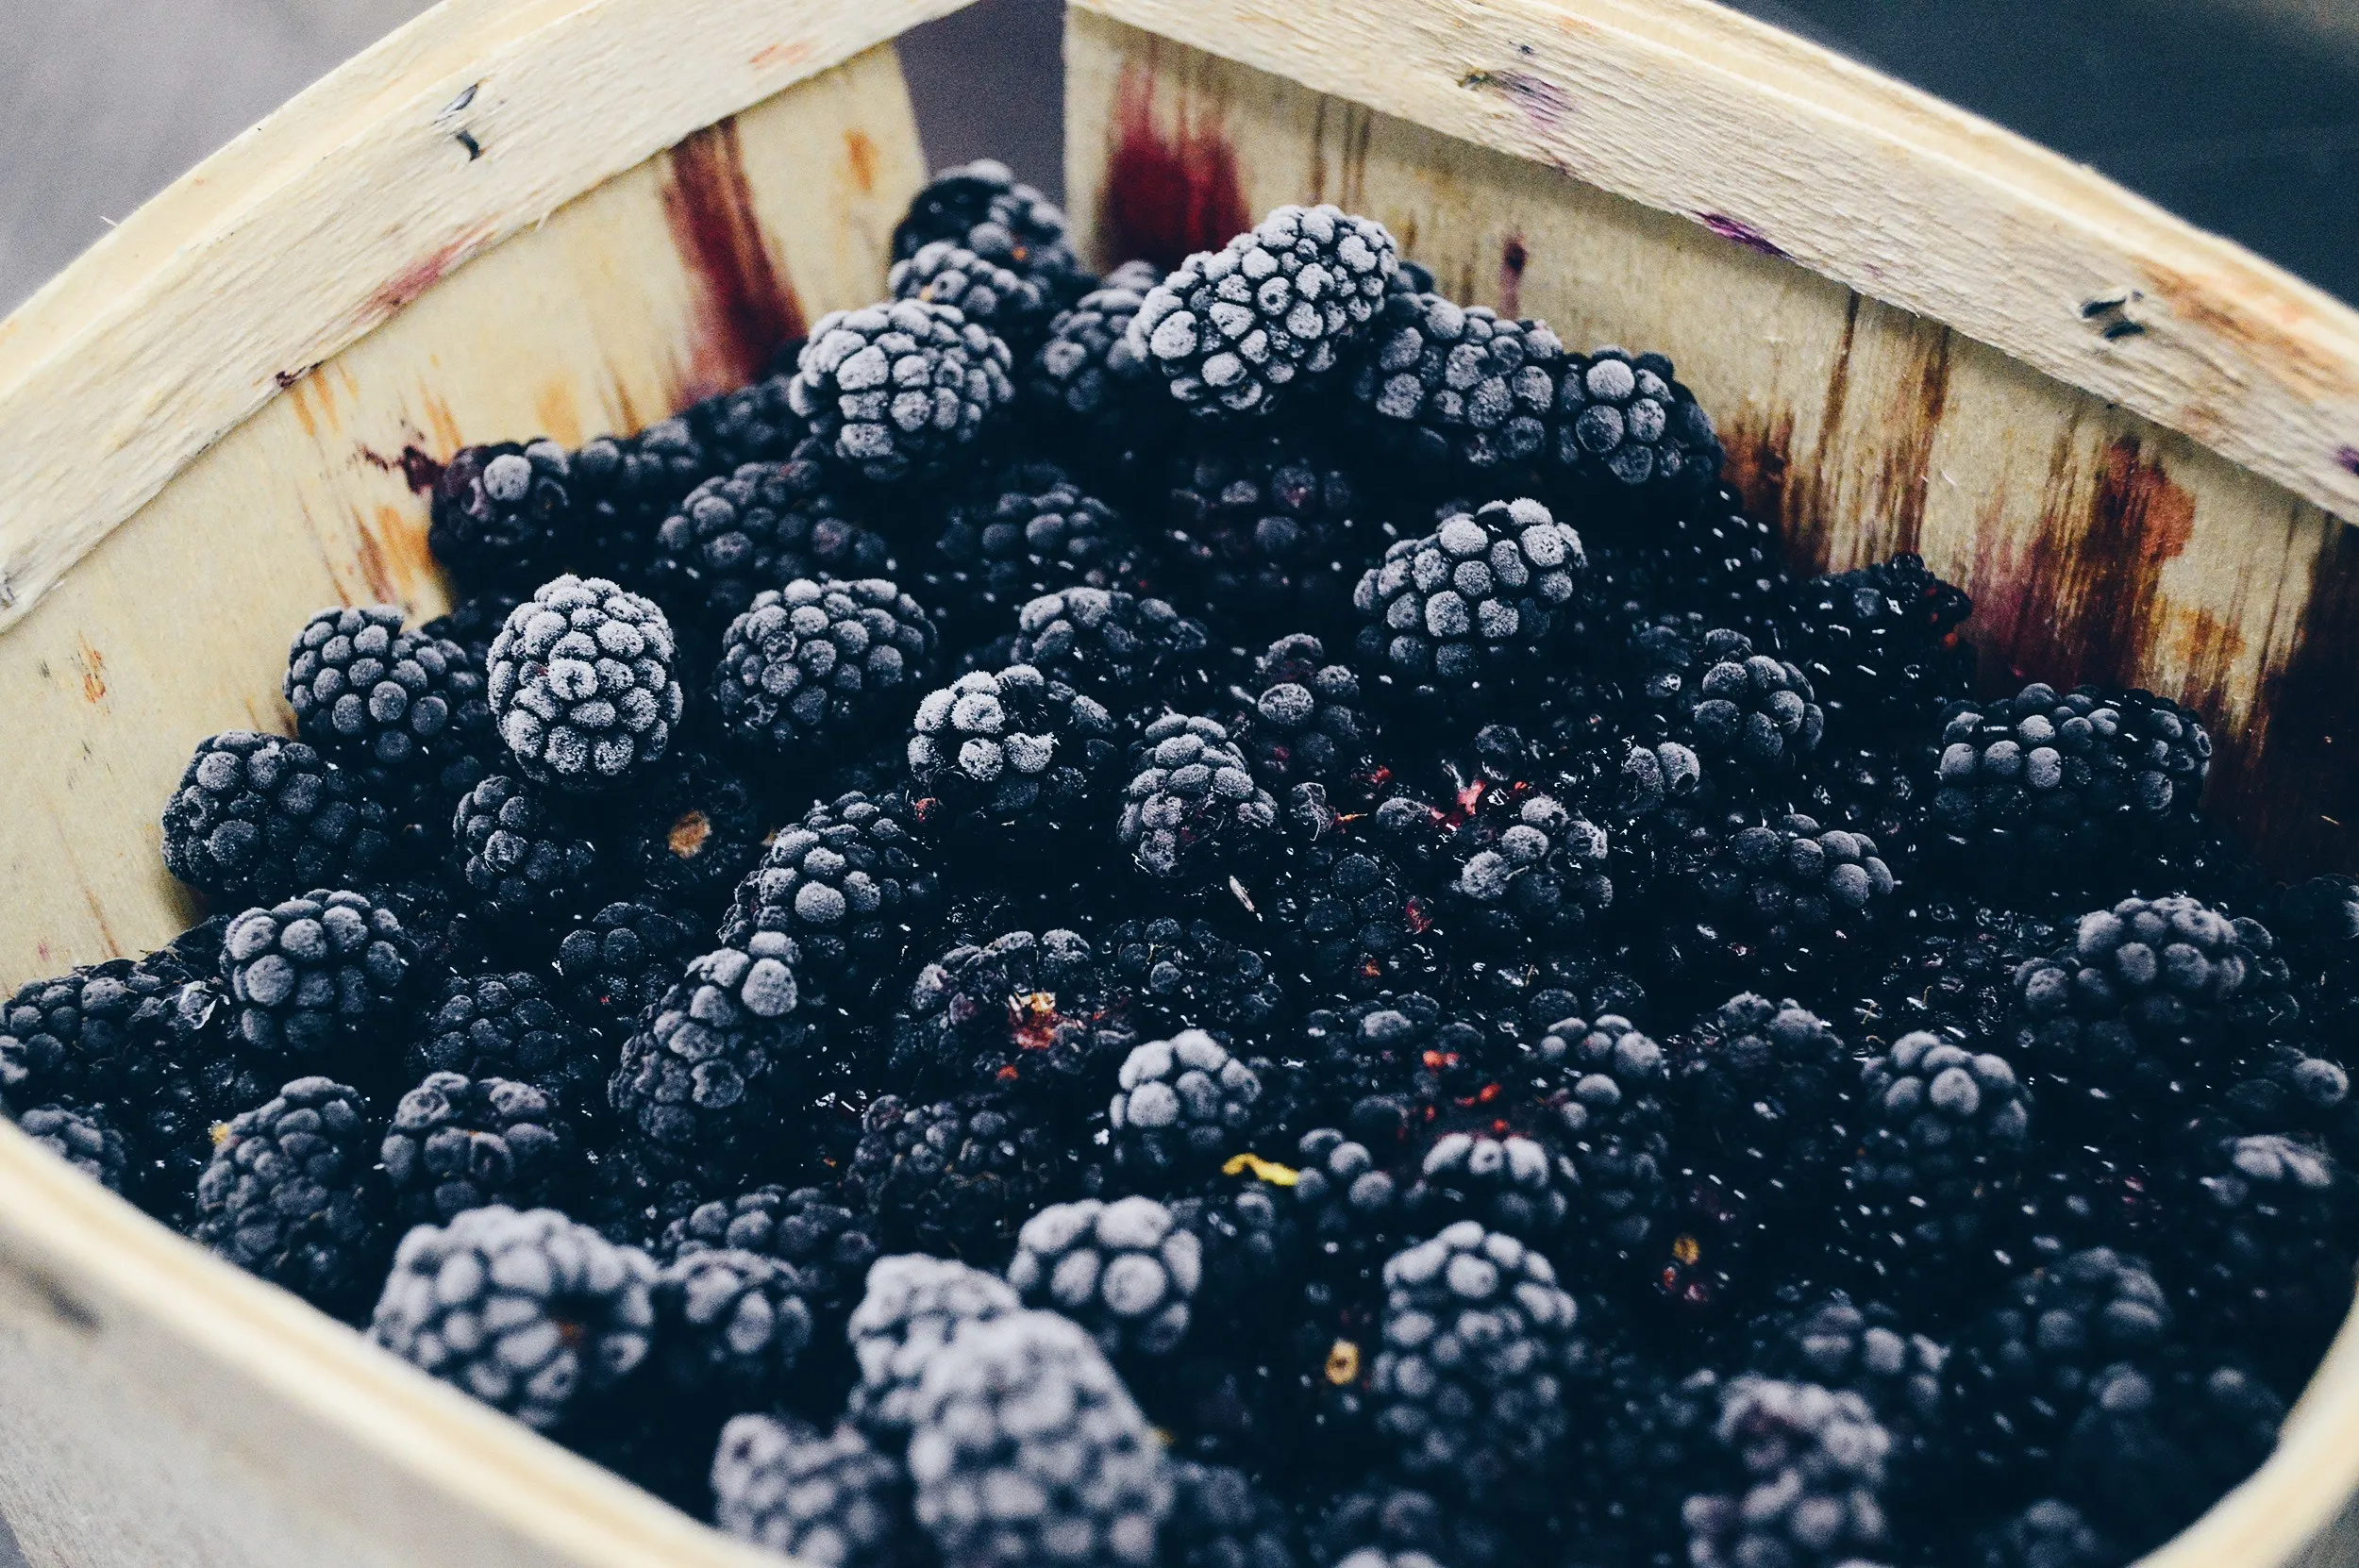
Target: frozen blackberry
1026, 1449
1527, 870
1466, 399
729, 1324
1768, 1086
1034, 1010
2264, 1245
1952, 968
1943, 1132
257, 816
832, 1501
1879, 644
498, 1025
1877, 792
1746, 714
750, 424
1866, 1350
848, 883
2154, 1448
391, 704
1479, 1341
1471, 605
912, 1306
816, 663
456, 1143
1607, 1089
827, 1244
983, 207
1179, 975
1180, 1107
623, 960
714, 1071
1808, 1467
526, 1310
1624, 425
625, 487
308, 975
1193, 809
292, 1194
581, 685
1086, 378
520, 852
1232, 329
475, 622
499, 511
2050, 1533
1009, 303
1778, 898
1125, 1271
1267, 530
1347, 919
743, 534
1021, 532
1014, 750
1713, 558
690, 834
959, 1176
1304, 720
1129, 652
2067, 793
82, 1136
896, 390
1220, 1519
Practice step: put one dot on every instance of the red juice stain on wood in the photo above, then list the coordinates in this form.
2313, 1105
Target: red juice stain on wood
745, 307
1513, 259
2298, 796
1167, 196
374, 569
420, 274
1905, 468
418, 468
92, 664
1759, 468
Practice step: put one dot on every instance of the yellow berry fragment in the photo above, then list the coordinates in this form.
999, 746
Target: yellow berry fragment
1267, 1169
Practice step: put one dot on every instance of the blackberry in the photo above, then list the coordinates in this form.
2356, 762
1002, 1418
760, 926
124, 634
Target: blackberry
832, 1501
1347, 919
498, 512
1010, 304
623, 961
1877, 792
1467, 400
1022, 532
1808, 1467
1191, 974
307, 976
2153, 1449
1034, 1010
82, 1136
1711, 559
848, 884
292, 1194
1193, 809
986, 210
688, 837
1220, 1519
1780, 899
1131, 653
1267, 531
475, 622
996, 752
1879, 644
1607, 1090
529, 1313
1746, 714
912, 1306
751, 424
739, 535
90, 1036
824, 1244
456, 1143
1625, 426
2063, 793
1528, 870
1865, 1350
1767, 1087
959, 1176
897, 390
1305, 719
260, 817
1952, 968
1026, 1449
1472, 605
521, 853
731, 1325
1180, 1107
392, 705
507, 1026
1086, 379
1126, 1270
626, 486
2264, 1245
1232, 329
816, 663
714, 1069
2050, 1533
1383, 1524
1470, 1384
581, 685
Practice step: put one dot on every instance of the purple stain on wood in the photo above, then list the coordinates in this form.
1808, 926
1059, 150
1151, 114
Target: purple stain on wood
1167, 195
2347, 459
1741, 232
419, 470
745, 307
1513, 258
1543, 102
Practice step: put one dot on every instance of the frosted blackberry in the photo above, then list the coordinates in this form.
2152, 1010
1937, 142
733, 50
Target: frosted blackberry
292, 1194
1232, 329
848, 883
82, 1136
1880, 792
1624, 425
1087, 378
508, 1026
742, 534
1269, 530
257, 816
307, 977
519, 852
813, 662
985, 209
897, 390
1129, 652
1010, 749
1023, 531
625, 486
1181, 1106
1466, 399
526, 1310
1470, 1384
1177, 973
1030, 1009
688, 836
1866, 1350
1613, 1123
2265, 1246
456, 1143
475, 621
959, 1176
1879, 644
1347, 919
1739, 711
732, 1324
750, 424
1192, 810
1125, 1271
499, 511
1528, 869
1220, 1519
1472, 604
1304, 720
1768, 1084
2050, 1533
1944, 1132
623, 961
2154, 1448
389, 703
1026, 1449
714, 1068
581, 685
1782, 897
832, 1501
1809, 1468
826, 1245
1711, 558
912, 1306
1010, 304
1384, 1524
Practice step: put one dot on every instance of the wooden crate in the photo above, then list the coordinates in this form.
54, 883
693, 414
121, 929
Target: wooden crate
2129, 439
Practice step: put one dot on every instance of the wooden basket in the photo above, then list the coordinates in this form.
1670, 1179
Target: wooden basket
2127, 439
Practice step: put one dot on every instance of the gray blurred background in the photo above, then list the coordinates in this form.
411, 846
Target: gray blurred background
2241, 114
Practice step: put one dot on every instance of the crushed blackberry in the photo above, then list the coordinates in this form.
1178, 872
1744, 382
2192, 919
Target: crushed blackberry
581, 683
817, 663
1879, 644
1006, 303
1018, 533
897, 390
456, 1143
1019, 1008
293, 1194
755, 530
260, 817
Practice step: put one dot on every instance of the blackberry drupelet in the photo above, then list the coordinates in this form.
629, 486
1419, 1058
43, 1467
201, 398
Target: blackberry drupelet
507, 1026
1180, 1107
1304, 720
993, 753
1472, 606
1133, 655
690, 834
810, 1229
520, 852
894, 392
581, 684
1017, 533
85, 1137
849, 884
292, 1194
307, 978
1466, 400
1266, 531
743, 534
526, 1310
1528, 870
1232, 330
912, 1305
2263, 1249
394, 705
502, 513
1746, 715
960, 1176
257, 816
623, 961
1026, 1449
1625, 426
456, 1143
1008, 304
832, 1501
817, 663
1879, 644
1220, 1519
1808, 1467
1192, 810
986, 210
1126, 1270
1943, 1133
731, 1326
